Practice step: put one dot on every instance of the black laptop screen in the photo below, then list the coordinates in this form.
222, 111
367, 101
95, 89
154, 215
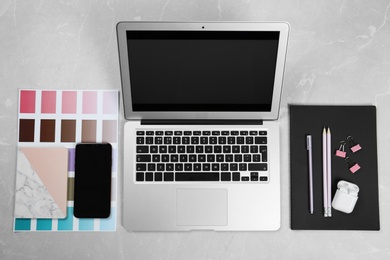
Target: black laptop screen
202, 70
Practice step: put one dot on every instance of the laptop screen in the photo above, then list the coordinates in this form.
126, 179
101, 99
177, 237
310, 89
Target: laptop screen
202, 70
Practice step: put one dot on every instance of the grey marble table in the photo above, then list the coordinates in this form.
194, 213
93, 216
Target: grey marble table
339, 53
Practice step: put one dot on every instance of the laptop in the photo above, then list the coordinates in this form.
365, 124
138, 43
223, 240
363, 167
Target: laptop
201, 141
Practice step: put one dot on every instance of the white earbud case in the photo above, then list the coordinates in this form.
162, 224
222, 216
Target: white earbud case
345, 197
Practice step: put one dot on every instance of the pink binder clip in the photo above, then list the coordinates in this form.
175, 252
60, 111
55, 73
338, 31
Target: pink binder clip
353, 167
340, 152
353, 146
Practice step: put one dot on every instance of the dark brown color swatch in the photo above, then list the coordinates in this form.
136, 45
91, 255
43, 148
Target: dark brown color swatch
26, 130
48, 130
68, 130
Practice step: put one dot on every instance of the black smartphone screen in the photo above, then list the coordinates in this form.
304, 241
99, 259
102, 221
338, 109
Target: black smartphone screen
92, 187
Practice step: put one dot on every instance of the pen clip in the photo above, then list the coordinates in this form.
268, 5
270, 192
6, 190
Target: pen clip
308, 142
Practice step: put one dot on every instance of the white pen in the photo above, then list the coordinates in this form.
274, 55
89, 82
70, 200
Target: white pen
309, 154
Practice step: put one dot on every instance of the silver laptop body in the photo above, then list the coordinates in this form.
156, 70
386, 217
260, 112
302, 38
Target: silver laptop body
184, 87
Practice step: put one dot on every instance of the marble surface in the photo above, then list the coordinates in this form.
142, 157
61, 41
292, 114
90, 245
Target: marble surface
339, 53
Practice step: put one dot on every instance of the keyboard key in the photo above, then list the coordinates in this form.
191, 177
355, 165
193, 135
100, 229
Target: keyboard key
196, 132
140, 132
217, 149
153, 149
263, 178
249, 140
158, 140
149, 176
181, 149
206, 167
243, 132
254, 176
176, 140
142, 149
168, 132
178, 132
233, 167
215, 166
260, 140
195, 140
149, 132
222, 140
231, 140
244, 178
149, 140
144, 158
183, 158
174, 158
242, 166
226, 176
169, 167
257, 166
162, 149
262, 132
141, 166
167, 140
168, 176
187, 167
159, 133
158, 176
179, 167
216, 132
197, 167
253, 132
224, 166
139, 176
160, 167
140, 140
151, 167
187, 132
236, 176
197, 176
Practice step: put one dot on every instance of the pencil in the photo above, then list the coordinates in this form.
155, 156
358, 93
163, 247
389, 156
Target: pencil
329, 172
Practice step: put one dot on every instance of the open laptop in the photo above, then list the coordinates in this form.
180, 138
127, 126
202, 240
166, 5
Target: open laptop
201, 144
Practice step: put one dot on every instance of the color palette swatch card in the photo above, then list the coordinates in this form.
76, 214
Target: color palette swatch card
50, 124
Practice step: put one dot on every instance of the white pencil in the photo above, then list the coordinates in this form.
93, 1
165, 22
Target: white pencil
329, 172
324, 172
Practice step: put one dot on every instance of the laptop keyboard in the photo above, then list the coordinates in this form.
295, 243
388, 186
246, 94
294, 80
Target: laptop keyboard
198, 156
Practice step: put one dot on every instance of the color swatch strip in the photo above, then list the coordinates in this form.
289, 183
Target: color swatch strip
63, 118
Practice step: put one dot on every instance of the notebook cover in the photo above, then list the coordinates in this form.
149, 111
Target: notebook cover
357, 121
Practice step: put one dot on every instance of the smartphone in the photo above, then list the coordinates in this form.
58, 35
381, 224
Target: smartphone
92, 185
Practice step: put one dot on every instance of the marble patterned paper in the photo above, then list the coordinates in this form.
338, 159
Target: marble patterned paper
41, 183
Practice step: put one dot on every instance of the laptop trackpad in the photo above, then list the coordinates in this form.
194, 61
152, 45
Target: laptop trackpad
201, 207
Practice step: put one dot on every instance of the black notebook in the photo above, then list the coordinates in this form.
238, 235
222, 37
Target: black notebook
343, 121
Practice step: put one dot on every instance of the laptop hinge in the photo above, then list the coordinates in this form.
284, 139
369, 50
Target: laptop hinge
200, 122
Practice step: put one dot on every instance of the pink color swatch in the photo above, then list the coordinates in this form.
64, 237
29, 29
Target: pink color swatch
48, 102
27, 101
69, 102
89, 102
110, 102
